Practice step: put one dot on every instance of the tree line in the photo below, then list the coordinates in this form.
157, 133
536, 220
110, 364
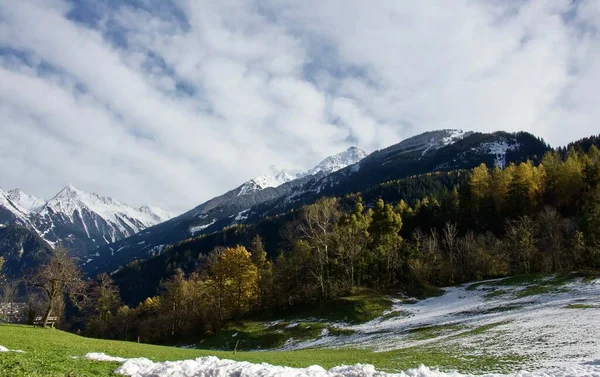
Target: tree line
522, 219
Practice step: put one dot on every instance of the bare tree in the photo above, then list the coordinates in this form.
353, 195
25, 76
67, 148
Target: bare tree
450, 241
316, 226
57, 279
551, 227
1, 270
520, 238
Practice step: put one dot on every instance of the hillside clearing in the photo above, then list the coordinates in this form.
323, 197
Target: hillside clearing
464, 330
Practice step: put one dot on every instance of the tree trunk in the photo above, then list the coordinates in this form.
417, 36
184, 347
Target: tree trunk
47, 315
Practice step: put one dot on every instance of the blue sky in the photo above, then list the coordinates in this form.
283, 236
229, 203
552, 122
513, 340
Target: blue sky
173, 102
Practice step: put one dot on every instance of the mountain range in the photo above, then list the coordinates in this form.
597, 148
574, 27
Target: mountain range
225, 210
349, 172
107, 234
78, 220
84, 222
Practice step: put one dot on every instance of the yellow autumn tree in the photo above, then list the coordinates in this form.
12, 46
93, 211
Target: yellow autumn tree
480, 182
564, 179
500, 184
240, 278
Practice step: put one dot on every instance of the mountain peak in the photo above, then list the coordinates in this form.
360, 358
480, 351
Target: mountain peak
160, 214
28, 202
329, 165
68, 191
338, 161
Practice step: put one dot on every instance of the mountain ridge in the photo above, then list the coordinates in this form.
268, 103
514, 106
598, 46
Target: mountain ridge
441, 150
79, 220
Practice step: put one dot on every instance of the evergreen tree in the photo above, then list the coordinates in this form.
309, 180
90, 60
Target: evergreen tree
264, 269
385, 238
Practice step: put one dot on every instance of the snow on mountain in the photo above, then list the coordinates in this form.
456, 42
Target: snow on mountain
339, 161
329, 165
73, 203
159, 214
78, 219
26, 201
499, 149
264, 181
439, 141
11, 211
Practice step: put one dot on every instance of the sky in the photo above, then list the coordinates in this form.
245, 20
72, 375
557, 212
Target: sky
172, 102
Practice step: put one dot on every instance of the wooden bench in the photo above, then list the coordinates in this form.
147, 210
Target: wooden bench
39, 321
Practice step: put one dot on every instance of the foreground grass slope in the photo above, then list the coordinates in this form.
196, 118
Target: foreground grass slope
52, 353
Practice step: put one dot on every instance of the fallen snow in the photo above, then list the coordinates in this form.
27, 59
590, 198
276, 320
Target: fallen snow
214, 367
242, 215
196, 229
100, 356
539, 327
4, 349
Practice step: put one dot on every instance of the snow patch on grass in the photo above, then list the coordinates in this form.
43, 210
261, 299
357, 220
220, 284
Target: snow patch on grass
4, 349
214, 367
521, 320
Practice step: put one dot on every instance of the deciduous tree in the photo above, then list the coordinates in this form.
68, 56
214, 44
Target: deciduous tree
57, 279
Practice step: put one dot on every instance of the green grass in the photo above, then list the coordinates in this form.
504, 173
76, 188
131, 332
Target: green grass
49, 353
482, 329
535, 290
580, 306
496, 309
395, 314
495, 293
300, 324
533, 284
249, 335
360, 307
430, 332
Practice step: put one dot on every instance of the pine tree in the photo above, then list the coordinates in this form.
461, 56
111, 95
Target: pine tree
264, 269
385, 238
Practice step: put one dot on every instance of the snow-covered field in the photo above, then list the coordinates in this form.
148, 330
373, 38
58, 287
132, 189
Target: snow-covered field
551, 327
558, 327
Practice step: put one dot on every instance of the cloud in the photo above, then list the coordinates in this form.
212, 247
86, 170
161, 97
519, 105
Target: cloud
173, 102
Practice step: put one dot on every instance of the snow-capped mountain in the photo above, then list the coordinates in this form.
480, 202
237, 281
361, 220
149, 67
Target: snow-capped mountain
77, 219
11, 212
329, 165
28, 202
158, 214
264, 181
339, 161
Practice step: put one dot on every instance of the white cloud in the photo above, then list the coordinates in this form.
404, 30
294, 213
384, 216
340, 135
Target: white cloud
152, 108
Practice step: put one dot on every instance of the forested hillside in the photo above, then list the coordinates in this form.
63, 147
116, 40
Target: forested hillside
430, 152
455, 227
